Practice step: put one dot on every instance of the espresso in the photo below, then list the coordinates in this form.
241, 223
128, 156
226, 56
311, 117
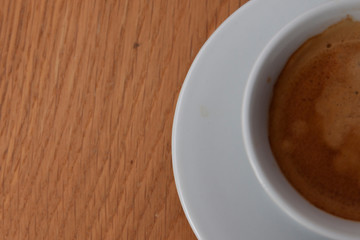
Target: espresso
314, 120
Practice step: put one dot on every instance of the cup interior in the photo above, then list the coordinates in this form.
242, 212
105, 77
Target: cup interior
256, 103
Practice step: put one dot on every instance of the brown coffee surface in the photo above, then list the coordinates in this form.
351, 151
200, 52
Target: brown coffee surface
314, 120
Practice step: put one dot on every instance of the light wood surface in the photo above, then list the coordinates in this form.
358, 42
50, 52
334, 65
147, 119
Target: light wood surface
88, 91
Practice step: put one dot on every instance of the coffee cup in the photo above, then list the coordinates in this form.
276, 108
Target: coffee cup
256, 103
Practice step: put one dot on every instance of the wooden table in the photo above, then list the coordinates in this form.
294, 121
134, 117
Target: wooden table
88, 92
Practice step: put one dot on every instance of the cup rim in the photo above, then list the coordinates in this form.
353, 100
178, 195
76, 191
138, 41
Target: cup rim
268, 186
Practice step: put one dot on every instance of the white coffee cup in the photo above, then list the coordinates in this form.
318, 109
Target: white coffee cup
256, 103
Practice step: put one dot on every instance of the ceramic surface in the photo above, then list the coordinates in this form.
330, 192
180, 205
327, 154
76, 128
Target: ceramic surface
219, 192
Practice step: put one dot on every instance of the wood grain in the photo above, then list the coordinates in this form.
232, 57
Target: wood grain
88, 92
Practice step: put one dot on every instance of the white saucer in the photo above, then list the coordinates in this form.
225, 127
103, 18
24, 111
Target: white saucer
218, 190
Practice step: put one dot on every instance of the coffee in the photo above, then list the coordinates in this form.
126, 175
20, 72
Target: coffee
314, 120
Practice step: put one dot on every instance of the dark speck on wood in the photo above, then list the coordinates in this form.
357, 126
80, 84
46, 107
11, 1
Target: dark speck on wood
136, 45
